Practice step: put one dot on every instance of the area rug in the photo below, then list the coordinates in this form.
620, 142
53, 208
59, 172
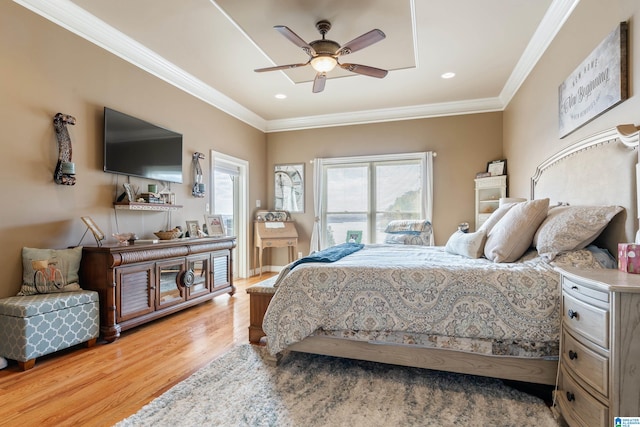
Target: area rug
242, 389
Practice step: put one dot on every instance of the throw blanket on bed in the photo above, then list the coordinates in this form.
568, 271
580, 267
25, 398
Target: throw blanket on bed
332, 254
420, 289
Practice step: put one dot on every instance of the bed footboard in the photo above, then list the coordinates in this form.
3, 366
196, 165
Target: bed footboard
538, 371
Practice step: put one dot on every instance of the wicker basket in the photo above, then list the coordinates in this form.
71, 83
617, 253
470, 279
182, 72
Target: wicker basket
168, 235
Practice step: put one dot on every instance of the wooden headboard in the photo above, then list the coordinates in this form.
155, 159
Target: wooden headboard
598, 170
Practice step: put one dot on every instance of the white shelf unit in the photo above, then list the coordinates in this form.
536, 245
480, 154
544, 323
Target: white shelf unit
489, 191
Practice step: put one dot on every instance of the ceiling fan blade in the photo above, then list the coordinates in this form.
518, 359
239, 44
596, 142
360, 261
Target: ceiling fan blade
318, 82
295, 39
361, 42
281, 67
365, 70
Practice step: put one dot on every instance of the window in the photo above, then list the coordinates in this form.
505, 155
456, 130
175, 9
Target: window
362, 194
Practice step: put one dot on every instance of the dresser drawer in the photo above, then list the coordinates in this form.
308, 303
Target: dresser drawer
587, 320
578, 406
588, 365
583, 291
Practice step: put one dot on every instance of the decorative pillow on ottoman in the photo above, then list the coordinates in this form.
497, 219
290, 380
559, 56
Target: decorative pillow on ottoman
50, 270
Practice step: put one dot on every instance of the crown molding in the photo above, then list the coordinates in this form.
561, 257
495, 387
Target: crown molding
553, 20
70, 16
386, 115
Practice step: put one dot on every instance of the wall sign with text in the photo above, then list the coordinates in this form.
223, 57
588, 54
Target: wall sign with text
598, 84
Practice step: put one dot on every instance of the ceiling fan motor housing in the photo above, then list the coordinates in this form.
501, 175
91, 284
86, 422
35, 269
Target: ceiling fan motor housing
325, 47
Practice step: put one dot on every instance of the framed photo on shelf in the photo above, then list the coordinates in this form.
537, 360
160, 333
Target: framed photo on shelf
354, 236
192, 228
215, 225
497, 167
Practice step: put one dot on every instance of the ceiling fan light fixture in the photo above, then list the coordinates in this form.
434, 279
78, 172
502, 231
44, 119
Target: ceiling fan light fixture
323, 64
323, 54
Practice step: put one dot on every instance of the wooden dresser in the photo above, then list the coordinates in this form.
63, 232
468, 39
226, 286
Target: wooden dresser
142, 282
275, 234
599, 376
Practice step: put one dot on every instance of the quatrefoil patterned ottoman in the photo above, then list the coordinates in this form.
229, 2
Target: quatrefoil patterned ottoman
35, 325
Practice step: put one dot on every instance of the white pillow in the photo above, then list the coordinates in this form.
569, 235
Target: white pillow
470, 245
510, 238
495, 217
568, 228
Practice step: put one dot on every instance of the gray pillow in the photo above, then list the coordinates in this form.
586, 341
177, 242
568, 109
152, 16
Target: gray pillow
568, 228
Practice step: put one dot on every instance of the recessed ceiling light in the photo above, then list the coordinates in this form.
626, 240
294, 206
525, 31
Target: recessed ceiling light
448, 75
280, 95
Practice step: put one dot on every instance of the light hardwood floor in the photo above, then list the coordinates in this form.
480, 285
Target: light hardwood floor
102, 385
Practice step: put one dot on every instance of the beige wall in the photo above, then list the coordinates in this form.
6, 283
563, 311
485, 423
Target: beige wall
45, 70
464, 145
531, 119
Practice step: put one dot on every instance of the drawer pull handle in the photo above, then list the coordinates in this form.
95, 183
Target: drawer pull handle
572, 314
575, 288
573, 355
570, 396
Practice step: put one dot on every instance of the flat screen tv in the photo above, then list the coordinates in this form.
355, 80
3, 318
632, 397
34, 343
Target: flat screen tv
137, 148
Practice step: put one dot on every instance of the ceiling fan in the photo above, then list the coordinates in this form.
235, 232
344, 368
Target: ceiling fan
324, 54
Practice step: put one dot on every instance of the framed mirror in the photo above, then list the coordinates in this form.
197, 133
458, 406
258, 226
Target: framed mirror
289, 187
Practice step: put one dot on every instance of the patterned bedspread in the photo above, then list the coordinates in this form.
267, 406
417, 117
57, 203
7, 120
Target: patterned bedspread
421, 295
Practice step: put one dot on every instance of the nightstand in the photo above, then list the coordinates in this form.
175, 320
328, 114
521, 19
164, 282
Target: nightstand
599, 369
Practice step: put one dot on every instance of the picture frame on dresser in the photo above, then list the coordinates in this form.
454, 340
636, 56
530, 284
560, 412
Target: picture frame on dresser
95, 230
215, 225
193, 226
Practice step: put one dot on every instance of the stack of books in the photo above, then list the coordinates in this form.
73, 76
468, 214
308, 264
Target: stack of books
151, 198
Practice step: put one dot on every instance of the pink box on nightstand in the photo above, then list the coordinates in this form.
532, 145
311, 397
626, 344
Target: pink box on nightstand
629, 258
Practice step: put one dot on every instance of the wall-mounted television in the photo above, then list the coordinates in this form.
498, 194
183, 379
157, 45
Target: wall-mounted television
135, 147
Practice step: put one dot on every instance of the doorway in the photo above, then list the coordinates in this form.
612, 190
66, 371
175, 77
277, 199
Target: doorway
230, 198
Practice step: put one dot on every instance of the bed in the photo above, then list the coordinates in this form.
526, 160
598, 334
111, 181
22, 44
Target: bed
427, 307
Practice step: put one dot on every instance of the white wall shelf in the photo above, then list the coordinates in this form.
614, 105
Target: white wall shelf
136, 206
